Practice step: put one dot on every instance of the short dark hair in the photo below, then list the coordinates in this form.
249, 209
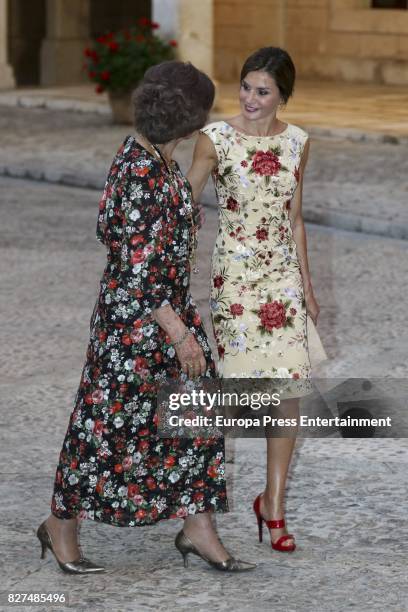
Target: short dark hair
172, 101
278, 64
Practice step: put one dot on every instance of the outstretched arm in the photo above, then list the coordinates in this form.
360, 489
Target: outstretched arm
299, 236
204, 161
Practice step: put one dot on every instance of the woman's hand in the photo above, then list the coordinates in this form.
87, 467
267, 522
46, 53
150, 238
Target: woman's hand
312, 307
189, 352
198, 215
191, 357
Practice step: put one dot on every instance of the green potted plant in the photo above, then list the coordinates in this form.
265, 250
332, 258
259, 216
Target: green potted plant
117, 61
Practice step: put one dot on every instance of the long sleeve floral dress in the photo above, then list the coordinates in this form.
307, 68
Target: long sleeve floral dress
113, 466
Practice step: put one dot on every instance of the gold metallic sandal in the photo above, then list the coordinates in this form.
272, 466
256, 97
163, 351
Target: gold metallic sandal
185, 546
80, 566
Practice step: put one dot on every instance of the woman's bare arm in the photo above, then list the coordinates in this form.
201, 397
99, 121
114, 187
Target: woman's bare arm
204, 161
299, 236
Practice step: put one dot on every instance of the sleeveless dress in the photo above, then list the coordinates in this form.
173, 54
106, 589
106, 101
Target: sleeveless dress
114, 467
257, 299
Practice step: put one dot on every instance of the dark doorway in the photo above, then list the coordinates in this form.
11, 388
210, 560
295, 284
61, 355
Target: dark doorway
390, 4
112, 15
26, 31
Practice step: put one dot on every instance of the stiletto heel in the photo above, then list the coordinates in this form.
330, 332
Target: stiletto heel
259, 527
185, 546
185, 559
79, 566
43, 549
278, 524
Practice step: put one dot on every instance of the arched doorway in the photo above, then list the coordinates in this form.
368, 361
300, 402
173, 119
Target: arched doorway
26, 31
55, 57
112, 15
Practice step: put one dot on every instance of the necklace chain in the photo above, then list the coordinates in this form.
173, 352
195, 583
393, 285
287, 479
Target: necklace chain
193, 242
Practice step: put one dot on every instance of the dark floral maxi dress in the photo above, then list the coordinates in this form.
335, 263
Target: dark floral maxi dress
113, 465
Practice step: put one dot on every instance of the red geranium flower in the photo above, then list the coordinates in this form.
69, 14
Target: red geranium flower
173, 43
105, 75
144, 22
265, 163
272, 315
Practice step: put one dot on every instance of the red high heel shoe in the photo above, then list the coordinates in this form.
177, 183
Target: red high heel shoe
279, 524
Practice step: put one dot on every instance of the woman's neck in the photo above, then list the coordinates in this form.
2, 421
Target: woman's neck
166, 149
261, 127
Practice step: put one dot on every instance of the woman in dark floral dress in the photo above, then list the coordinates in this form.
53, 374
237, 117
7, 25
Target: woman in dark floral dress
145, 329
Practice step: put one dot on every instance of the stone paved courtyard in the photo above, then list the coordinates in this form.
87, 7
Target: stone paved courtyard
346, 499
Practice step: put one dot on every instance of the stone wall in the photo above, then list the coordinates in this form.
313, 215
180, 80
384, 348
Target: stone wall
334, 39
240, 27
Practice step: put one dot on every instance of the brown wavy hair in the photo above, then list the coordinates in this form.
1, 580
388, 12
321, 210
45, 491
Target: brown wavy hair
172, 101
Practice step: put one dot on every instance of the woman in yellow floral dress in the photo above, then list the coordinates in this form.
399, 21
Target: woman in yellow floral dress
261, 290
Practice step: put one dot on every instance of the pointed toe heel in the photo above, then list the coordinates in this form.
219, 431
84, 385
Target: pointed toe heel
79, 566
185, 546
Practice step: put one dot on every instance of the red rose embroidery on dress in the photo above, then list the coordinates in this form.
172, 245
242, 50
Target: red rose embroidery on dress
265, 163
262, 233
232, 204
236, 310
218, 281
272, 315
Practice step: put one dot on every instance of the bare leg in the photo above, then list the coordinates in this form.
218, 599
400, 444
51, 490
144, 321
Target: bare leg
200, 529
64, 536
279, 454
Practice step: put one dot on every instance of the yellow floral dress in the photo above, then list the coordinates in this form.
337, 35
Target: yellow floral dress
257, 299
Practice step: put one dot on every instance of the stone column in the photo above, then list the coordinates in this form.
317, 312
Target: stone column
67, 35
6, 72
166, 13
191, 24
